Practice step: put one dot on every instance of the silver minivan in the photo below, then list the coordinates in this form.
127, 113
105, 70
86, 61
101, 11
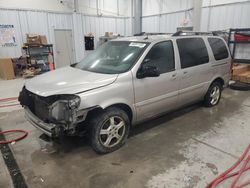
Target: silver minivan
126, 81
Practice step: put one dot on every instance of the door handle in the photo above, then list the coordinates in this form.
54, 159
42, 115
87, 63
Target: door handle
186, 75
174, 75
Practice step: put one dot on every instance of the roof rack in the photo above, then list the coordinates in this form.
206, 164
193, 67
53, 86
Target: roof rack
148, 34
190, 33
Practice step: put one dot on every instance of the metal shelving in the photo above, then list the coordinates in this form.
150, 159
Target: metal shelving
235, 42
39, 53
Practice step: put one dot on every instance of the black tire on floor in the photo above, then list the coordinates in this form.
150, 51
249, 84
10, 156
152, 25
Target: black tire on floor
240, 86
102, 119
208, 100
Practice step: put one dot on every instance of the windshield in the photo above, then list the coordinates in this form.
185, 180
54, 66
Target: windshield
113, 57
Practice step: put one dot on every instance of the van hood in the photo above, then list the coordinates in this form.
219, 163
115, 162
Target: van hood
67, 80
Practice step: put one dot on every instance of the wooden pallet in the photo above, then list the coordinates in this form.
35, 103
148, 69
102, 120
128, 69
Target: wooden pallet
241, 72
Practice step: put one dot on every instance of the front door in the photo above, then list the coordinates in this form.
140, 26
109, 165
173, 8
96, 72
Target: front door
64, 48
154, 95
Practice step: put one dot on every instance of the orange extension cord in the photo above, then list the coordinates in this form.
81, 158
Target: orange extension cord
245, 158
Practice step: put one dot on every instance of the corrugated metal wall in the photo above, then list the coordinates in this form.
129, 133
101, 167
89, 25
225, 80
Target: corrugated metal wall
166, 22
11, 17
153, 7
170, 15
216, 15
84, 24
99, 25
221, 17
230, 14
226, 16
45, 22
165, 15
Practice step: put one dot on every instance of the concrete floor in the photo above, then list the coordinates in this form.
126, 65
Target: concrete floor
10, 88
187, 148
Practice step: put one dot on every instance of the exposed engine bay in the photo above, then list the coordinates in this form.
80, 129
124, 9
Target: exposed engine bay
60, 110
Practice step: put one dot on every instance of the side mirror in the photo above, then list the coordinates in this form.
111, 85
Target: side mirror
148, 71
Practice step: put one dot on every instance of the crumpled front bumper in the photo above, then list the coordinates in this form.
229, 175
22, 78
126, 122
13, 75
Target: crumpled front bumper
47, 128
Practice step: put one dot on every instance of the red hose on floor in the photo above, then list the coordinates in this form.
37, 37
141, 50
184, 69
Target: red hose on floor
8, 102
225, 175
25, 133
8, 99
3, 106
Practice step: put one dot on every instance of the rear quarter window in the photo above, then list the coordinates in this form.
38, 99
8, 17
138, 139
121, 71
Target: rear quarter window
219, 48
192, 52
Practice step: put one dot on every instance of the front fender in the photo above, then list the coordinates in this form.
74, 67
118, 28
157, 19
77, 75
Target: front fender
119, 92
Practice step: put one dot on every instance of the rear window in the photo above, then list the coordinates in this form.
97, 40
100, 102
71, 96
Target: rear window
219, 48
192, 52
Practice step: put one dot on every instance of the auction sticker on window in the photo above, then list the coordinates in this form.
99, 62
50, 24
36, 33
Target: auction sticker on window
137, 44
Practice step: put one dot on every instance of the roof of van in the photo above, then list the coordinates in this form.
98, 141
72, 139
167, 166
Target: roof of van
145, 38
152, 38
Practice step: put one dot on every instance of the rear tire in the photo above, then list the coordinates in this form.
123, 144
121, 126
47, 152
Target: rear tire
213, 94
109, 130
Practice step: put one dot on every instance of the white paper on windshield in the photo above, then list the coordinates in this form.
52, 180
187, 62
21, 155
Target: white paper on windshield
137, 44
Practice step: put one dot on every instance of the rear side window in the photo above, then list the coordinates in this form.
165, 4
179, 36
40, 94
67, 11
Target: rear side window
192, 52
161, 56
219, 48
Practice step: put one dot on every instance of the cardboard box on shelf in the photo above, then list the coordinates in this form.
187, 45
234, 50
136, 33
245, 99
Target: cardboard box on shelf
6, 69
89, 34
32, 38
241, 72
108, 34
43, 39
36, 39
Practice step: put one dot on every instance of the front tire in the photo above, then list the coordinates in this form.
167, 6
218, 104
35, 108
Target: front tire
109, 130
213, 94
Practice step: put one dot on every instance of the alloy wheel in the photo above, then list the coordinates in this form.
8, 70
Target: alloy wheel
215, 95
112, 131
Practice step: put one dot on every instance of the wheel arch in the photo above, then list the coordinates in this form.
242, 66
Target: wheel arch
99, 109
124, 107
218, 79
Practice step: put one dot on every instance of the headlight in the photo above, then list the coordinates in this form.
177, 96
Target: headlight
75, 102
64, 110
